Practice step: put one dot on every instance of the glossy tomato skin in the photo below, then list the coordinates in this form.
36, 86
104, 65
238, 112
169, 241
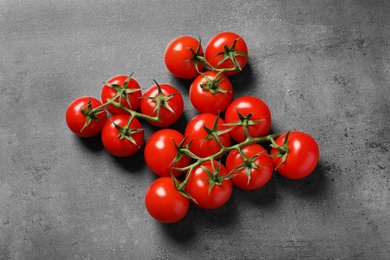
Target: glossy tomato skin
176, 103
75, 119
134, 96
177, 57
164, 202
198, 186
216, 46
121, 147
160, 151
196, 134
246, 105
302, 157
258, 176
204, 100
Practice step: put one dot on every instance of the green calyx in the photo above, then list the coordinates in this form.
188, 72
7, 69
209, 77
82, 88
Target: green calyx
282, 149
245, 122
126, 132
214, 133
161, 101
90, 113
212, 85
230, 53
122, 91
214, 175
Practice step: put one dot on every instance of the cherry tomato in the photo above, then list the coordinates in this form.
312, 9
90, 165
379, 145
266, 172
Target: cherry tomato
78, 114
124, 88
200, 140
122, 135
160, 152
254, 111
179, 59
253, 172
170, 100
301, 158
224, 46
209, 94
164, 202
209, 186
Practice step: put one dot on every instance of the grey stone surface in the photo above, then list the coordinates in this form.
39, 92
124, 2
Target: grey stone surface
322, 66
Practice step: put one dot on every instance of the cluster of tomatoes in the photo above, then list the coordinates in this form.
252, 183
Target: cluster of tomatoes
221, 146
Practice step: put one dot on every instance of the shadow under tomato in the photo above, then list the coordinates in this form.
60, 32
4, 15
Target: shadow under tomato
134, 163
313, 186
92, 143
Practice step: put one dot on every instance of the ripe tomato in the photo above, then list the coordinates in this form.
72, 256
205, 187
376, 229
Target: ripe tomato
160, 153
209, 185
170, 101
255, 113
301, 158
253, 172
209, 94
226, 49
122, 135
179, 59
124, 88
199, 131
164, 202
78, 114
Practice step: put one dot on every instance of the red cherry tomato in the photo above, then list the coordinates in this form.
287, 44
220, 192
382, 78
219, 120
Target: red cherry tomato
258, 165
164, 202
209, 94
178, 57
201, 143
301, 158
259, 121
123, 88
76, 116
209, 186
224, 45
160, 152
172, 104
121, 138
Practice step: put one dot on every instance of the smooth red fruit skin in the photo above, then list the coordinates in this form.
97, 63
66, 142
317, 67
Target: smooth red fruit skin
164, 203
121, 147
259, 176
75, 119
168, 118
206, 102
302, 157
198, 187
177, 57
160, 151
196, 135
216, 45
108, 92
246, 105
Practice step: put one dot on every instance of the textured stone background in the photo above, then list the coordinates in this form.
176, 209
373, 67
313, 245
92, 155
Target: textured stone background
322, 66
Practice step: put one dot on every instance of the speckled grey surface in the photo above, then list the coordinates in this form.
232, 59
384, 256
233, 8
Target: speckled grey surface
322, 66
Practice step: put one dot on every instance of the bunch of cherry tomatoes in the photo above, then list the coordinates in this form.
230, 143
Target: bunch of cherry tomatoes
222, 146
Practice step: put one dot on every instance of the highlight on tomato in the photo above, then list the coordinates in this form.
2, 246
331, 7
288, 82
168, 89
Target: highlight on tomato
295, 154
122, 135
164, 202
161, 153
84, 118
251, 168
